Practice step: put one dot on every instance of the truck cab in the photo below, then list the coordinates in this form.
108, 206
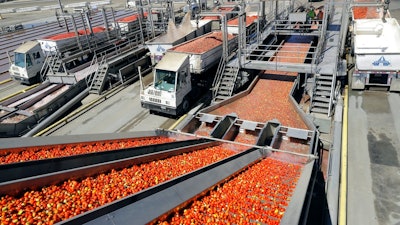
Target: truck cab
171, 84
28, 61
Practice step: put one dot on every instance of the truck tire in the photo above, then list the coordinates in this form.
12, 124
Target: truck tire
38, 79
185, 106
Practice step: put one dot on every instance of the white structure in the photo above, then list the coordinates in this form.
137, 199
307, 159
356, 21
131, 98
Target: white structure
377, 53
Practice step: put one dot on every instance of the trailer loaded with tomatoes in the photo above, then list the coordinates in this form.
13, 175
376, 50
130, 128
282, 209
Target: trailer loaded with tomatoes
185, 73
158, 177
375, 49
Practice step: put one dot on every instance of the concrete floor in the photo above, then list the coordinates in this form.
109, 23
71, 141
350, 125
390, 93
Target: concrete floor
373, 158
120, 113
37, 16
373, 128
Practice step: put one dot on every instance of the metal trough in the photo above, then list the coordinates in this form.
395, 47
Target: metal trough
157, 202
23, 170
100, 166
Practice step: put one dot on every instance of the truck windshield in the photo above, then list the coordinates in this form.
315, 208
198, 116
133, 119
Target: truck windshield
165, 80
19, 59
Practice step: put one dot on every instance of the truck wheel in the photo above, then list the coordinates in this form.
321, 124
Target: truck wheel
185, 105
38, 79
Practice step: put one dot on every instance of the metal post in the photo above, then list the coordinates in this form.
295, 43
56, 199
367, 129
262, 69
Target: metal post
76, 32
385, 9
170, 10
88, 22
153, 35
224, 38
241, 43
62, 13
140, 7
140, 78
141, 28
116, 24
262, 21
103, 11
84, 27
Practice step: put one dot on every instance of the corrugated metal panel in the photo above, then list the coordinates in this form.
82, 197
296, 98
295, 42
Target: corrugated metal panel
172, 61
25, 47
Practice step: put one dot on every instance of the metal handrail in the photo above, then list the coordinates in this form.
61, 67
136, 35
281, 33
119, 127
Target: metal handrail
233, 85
45, 67
102, 62
89, 78
217, 79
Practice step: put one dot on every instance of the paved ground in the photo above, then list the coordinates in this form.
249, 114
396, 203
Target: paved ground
373, 158
49, 15
120, 113
43, 15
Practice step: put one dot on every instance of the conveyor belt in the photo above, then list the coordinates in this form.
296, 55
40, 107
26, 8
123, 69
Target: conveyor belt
268, 100
25, 154
125, 176
27, 94
268, 96
26, 169
159, 201
34, 174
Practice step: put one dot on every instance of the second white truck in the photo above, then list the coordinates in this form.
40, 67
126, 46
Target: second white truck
184, 73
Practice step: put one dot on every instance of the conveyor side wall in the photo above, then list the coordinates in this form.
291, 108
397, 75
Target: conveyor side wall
60, 100
223, 126
148, 205
231, 99
310, 125
16, 186
39, 97
25, 94
16, 129
13, 144
27, 169
268, 133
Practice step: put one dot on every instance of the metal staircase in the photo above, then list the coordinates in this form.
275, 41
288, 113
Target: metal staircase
226, 83
51, 64
322, 94
99, 77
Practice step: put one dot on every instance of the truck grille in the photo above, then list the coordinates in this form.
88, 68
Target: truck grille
155, 100
155, 92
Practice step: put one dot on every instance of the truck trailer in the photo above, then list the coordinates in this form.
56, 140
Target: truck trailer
375, 50
30, 57
184, 74
176, 35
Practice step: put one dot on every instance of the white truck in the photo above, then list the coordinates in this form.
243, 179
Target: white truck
184, 73
30, 56
376, 50
28, 61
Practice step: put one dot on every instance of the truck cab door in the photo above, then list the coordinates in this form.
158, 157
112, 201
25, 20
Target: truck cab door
37, 61
183, 85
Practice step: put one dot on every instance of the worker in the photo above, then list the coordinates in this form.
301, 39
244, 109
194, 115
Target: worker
320, 16
311, 13
308, 18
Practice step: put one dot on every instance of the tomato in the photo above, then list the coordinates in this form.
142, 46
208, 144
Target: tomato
260, 194
59, 202
202, 44
53, 151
